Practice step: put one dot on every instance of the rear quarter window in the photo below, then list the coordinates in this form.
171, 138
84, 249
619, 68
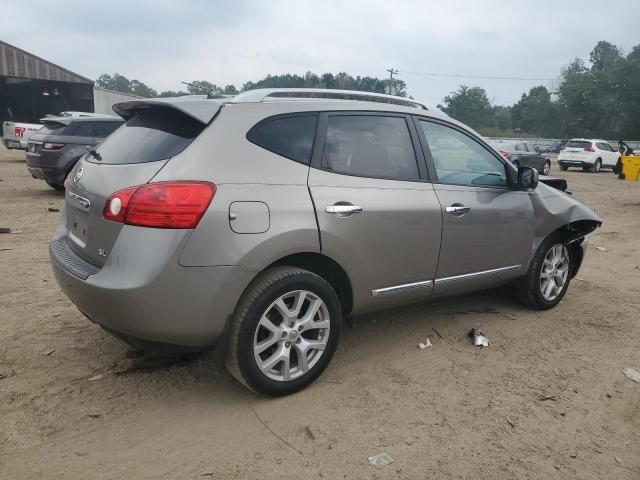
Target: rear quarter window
291, 136
151, 134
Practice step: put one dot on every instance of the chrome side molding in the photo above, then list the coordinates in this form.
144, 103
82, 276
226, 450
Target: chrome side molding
427, 284
475, 275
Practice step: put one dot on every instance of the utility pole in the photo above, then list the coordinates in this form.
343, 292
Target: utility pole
392, 72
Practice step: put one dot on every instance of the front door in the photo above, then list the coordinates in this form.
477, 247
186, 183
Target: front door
378, 216
487, 229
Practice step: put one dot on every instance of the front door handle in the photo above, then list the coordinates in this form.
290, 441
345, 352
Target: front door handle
457, 209
343, 209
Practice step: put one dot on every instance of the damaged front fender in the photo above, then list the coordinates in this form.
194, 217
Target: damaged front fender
556, 211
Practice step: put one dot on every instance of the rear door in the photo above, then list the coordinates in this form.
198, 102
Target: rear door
377, 212
487, 229
608, 154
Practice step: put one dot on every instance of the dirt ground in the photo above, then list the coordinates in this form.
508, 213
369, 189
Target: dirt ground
547, 399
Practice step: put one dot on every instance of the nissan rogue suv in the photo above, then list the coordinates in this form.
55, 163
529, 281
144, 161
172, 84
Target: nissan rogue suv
261, 221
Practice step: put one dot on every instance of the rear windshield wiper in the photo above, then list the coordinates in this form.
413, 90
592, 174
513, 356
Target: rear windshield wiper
94, 154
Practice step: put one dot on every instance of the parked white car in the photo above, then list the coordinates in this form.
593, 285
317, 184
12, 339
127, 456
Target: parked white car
590, 155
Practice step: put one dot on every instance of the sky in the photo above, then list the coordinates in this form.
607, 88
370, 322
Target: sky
164, 42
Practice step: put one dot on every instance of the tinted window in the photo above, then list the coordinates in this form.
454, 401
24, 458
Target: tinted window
578, 144
370, 146
81, 129
604, 146
291, 137
150, 135
104, 129
52, 128
460, 160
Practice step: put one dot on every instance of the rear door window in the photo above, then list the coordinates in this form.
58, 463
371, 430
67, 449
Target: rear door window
151, 134
291, 136
81, 129
372, 146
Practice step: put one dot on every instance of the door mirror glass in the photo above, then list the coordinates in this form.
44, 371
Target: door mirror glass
527, 178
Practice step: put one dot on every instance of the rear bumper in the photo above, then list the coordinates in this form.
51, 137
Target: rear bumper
575, 163
47, 168
10, 144
142, 294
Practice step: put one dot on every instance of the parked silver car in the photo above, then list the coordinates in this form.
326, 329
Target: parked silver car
265, 219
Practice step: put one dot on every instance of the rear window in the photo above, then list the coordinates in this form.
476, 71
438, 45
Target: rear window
290, 136
578, 144
150, 135
52, 128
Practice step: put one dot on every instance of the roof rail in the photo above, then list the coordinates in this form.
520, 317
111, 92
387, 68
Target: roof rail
261, 94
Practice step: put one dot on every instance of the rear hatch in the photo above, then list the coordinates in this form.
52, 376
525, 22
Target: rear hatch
154, 132
37, 140
575, 150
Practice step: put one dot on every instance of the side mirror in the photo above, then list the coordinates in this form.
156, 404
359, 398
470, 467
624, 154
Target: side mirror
527, 178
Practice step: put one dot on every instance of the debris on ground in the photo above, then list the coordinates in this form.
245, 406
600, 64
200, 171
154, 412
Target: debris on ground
424, 345
544, 398
510, 422
5, 230
100, 376
309, 433
48, 352
478, 338
380, 460
602, 249
632, 374
53, 209
94, 415
5, 249
116, 395
437, 332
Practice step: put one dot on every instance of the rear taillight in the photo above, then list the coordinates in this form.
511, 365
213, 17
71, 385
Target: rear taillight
161, 204
53, 146
589, 149
504, 154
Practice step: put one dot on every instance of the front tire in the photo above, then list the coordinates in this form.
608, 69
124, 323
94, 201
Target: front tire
564, 168
284, 331
547, 168
548, 277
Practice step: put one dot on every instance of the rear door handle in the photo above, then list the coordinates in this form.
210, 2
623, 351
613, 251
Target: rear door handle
457, 209
343, 209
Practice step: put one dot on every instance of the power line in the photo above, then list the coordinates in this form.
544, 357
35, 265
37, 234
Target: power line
485, 77
392, 72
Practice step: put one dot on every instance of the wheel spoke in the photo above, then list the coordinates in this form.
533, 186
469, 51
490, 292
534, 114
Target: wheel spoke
307, 320
283, 309
303, 364
266, 343
548, 289
278, 356
286, 367
268, 324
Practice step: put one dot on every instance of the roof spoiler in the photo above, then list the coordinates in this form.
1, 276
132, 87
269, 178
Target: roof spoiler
194, 106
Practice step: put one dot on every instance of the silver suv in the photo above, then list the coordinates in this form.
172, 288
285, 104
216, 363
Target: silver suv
262, 221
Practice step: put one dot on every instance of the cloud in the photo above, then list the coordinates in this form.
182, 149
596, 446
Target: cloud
164, 42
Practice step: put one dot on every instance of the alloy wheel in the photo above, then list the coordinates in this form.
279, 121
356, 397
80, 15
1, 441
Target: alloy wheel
291, 335
555, 272
546, 169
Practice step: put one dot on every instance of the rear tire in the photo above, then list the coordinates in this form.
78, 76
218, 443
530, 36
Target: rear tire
548, 277
547, 168
564, 168
56, 186
284, 331
597, 166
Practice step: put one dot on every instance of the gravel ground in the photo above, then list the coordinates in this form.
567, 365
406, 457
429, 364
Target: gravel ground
547, 399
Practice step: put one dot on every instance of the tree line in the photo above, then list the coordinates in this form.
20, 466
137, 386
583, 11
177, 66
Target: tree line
595, 98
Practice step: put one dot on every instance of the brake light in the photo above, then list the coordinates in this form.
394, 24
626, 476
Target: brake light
54, 146
504, 154
589, 149
161, 204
